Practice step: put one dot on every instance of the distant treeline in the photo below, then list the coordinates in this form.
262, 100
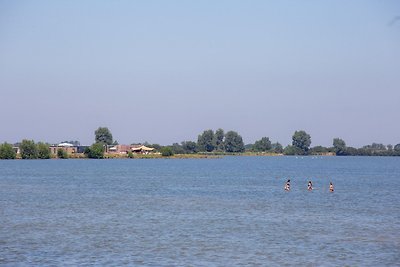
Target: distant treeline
28, 150
231, 142
211, 142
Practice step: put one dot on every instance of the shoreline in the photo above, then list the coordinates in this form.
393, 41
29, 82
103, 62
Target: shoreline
201, 155
177, 156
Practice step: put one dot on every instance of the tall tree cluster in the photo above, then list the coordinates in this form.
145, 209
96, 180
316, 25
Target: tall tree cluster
103, 135
30, 150
230, 142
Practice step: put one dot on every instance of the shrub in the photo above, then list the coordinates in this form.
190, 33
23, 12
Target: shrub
7, 151
28, 149
95, 151
62, 154
293, 150
166, 151
43, 151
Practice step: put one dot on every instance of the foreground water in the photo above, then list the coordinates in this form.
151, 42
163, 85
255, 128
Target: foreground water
200, 212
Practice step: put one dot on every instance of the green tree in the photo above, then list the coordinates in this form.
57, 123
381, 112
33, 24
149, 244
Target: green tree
233, 142
205, 141
189, 147
177, 149
277, 148
376, 146
262, 145
62, 154
339, 147
374, 149
302, 141
219, 139
95, 151
103, 135
43, 150
166, 151
28, 149
292, 150
396, 149
365, 151
351, 151
7, 151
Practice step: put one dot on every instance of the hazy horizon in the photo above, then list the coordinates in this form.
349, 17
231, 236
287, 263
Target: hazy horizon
165, 71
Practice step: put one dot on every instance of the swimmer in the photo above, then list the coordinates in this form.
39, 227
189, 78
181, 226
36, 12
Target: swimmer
331, 187
287, 185
309, 187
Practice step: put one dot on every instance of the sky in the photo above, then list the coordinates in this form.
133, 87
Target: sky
165, 71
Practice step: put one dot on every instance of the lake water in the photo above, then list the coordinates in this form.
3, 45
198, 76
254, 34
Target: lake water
231, 211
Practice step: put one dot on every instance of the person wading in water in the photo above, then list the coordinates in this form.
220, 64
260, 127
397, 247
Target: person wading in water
309, 187
287, 185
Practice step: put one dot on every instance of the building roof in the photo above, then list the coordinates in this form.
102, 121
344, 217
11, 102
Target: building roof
65, 144
145, 148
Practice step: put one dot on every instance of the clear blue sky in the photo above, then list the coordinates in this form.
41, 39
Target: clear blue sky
164, 71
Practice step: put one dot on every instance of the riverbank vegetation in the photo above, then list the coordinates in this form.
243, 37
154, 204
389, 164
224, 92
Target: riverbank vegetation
7, 151
208, 144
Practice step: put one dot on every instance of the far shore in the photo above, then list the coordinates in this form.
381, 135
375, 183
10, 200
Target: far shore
178, 156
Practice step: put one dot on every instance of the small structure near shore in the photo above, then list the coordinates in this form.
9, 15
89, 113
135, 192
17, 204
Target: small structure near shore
125, 149
118, 149
69, 148
142, 149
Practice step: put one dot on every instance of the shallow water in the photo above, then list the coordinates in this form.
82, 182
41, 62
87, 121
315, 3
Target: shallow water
200, 212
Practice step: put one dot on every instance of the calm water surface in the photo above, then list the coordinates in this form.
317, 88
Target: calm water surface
200, 212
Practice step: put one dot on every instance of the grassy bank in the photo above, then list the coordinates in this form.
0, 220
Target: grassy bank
159, 156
